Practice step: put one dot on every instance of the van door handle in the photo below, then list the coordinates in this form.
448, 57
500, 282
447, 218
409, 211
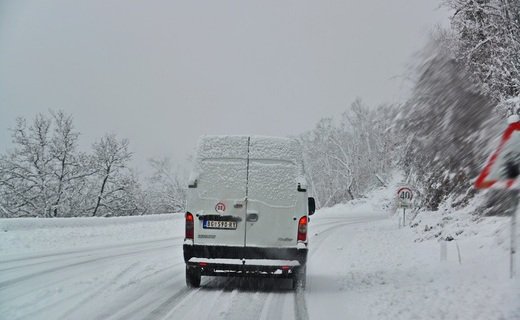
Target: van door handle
252, 217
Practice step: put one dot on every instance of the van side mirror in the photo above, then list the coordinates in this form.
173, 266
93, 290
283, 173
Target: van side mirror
311, 205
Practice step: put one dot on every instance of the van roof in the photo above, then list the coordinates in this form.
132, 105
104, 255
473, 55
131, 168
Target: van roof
264, 147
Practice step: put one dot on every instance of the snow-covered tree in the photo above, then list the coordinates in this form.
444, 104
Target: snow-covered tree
486, 41
344, 160
166, 187
448, 122
110, 162
44, 173
68, 171
27, 171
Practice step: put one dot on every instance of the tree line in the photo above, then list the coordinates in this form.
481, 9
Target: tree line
465, 83
347, 157
46, 175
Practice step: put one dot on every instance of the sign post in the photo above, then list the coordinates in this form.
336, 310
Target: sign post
404, 200
513, 245
501, 172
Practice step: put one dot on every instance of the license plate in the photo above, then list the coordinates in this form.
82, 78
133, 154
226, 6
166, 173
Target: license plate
211, 224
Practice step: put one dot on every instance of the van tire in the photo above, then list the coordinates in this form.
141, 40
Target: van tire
300, 278
192, 277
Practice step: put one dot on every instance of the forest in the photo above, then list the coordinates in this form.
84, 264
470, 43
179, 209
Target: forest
464, 85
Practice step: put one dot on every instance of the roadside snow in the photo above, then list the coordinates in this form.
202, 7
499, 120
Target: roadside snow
360, 266
30, 235
378, 271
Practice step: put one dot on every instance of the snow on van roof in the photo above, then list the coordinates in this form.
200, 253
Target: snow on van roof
234, 147
273, 173
275, 148
261, 147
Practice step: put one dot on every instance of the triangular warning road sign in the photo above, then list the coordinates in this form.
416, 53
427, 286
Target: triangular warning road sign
503, 167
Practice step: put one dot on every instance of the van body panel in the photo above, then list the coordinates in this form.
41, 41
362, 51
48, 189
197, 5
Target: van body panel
275, 165
221, 170
253, 181
275, 203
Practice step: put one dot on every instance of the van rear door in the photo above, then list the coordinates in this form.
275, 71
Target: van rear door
219, 198
274, 204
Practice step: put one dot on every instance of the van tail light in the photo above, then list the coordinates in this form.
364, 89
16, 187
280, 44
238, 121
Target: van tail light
302, 229
189, 226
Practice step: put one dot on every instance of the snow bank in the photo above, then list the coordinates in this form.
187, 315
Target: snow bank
380, 200
27, 235
451, 224
375, 270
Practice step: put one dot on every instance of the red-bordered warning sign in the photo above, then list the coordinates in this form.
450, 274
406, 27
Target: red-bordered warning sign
503, 167
405, 193
220, 207
404, 197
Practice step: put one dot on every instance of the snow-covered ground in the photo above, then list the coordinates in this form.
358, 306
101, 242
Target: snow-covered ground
36, 235
361, 266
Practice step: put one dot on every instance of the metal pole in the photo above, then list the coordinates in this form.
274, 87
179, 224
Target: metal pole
404, 217
513, 242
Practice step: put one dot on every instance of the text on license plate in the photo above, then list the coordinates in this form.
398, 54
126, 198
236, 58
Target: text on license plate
211, 224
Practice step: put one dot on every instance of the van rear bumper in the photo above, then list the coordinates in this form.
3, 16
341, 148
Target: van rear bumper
227, 252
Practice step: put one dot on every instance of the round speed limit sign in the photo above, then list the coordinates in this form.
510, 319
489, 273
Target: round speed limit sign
404, 197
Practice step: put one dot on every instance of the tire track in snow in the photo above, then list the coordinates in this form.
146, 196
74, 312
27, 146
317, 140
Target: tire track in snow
152, 304
277, 313
272, 309
247, 299
85, 250
87, 296
90, 296
80, 254
300, 303
32, 315
63, 278
163, 308
54, 307
245, 304
270, 305
78, 294
5, 284
207, 301
166, 309
147, 295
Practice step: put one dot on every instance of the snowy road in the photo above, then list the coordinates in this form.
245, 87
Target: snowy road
360, 266
145, 280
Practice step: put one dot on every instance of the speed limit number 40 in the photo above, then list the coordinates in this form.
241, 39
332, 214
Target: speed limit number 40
404, 197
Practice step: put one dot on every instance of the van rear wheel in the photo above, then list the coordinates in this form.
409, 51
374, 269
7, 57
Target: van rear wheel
300, 278
192, 277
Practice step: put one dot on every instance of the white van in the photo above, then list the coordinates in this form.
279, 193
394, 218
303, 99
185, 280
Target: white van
247, 209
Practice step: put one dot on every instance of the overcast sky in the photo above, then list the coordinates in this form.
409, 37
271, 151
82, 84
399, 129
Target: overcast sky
162, 73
